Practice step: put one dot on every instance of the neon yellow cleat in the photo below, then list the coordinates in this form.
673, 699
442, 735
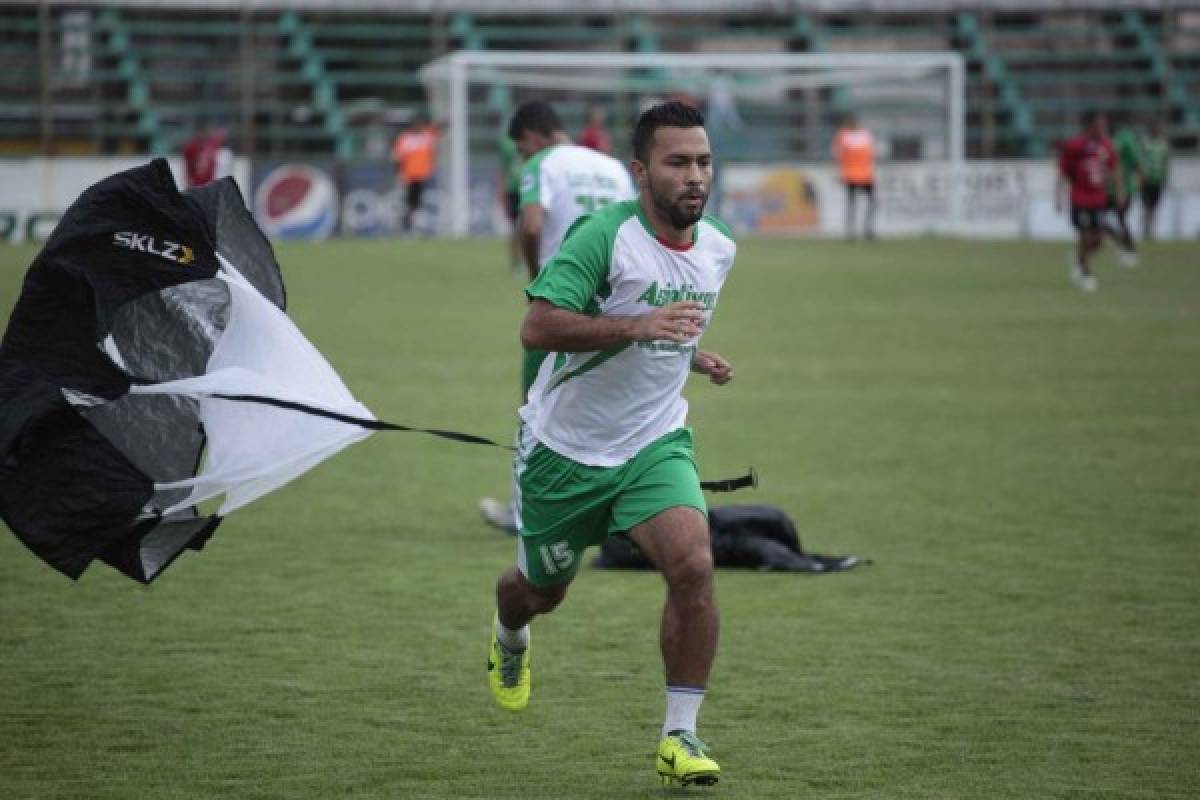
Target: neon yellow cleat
682, 760
508, 675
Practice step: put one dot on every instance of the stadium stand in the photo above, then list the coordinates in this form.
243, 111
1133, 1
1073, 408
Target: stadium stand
136, 78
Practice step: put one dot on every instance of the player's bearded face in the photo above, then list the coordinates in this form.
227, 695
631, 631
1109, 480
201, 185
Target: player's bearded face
679, 174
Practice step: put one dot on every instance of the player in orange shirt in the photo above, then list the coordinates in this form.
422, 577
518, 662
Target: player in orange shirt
854, 149
415, 155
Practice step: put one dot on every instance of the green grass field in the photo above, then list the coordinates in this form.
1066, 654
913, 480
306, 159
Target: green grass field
1021, 460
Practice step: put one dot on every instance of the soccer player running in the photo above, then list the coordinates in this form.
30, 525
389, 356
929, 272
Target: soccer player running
1156, 152
558, 183
604, 445
1087, 164
1128, 147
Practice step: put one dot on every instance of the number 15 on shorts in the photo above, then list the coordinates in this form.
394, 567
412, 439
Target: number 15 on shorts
556, 557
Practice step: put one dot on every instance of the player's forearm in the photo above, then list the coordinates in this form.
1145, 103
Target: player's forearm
562, 331
530, 244
530, 224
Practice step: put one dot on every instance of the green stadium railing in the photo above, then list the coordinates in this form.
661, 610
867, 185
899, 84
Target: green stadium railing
1053, 59
1076, 104
1133, 23
1015, 110
129, 66
300, 37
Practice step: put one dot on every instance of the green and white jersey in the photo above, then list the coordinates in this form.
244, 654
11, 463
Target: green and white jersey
568, 181
601, 408
1156, 152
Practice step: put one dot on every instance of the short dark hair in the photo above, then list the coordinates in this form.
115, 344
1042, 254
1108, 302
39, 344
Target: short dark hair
1088, 117
664, 115
534, 116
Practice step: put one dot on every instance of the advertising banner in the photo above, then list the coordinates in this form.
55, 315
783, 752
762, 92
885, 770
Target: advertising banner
314, 199
34, 192
372, 201
985, 199
772, 199
295, 201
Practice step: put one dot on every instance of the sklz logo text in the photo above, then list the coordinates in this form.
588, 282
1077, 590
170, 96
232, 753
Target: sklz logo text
145, 243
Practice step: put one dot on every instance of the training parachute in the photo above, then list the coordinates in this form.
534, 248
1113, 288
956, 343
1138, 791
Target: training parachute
149, 366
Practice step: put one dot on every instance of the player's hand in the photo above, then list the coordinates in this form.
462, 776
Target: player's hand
716, 368
676, 322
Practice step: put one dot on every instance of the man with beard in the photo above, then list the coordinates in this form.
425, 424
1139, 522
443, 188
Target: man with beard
604, 445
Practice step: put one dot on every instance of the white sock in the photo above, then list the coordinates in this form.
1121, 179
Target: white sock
683, 704
513, 641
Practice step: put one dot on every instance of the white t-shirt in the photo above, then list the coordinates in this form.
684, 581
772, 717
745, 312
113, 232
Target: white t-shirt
569, 181
601, 408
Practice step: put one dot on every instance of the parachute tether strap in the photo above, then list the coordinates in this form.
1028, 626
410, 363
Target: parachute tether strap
732, 484
728, 485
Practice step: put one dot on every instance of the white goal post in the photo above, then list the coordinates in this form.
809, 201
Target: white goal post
935, 80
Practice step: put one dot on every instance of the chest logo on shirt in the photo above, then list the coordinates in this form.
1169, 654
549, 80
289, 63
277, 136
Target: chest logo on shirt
660, 296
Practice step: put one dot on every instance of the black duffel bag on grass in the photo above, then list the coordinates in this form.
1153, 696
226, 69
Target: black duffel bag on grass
759, 537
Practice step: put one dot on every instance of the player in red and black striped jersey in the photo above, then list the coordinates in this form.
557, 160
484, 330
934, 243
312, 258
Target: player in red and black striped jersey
1087, 164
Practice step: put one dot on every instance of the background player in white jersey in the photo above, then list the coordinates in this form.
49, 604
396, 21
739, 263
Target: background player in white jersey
604, 447
559, 183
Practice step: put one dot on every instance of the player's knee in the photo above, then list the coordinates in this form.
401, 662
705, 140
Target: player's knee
544, 599
691, 572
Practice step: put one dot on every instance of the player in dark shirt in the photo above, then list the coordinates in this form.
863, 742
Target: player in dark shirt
1087, 165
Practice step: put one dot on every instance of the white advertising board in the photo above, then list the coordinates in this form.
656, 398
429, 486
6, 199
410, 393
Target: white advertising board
35, 191
986, 199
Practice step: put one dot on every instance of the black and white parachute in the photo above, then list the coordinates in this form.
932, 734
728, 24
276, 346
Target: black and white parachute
145, 315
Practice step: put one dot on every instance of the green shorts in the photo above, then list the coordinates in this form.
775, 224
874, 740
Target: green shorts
564, 507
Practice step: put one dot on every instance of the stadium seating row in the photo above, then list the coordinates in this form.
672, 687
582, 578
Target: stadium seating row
130, 80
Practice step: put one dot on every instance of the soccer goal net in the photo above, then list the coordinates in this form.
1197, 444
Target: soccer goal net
760, 107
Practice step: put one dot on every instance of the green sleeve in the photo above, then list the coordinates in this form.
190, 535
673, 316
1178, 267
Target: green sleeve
578, 272
530, 189
510, 164
1127, 149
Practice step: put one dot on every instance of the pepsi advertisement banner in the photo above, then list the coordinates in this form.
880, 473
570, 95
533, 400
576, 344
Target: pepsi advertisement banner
295, 201
315, 200
373, 201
